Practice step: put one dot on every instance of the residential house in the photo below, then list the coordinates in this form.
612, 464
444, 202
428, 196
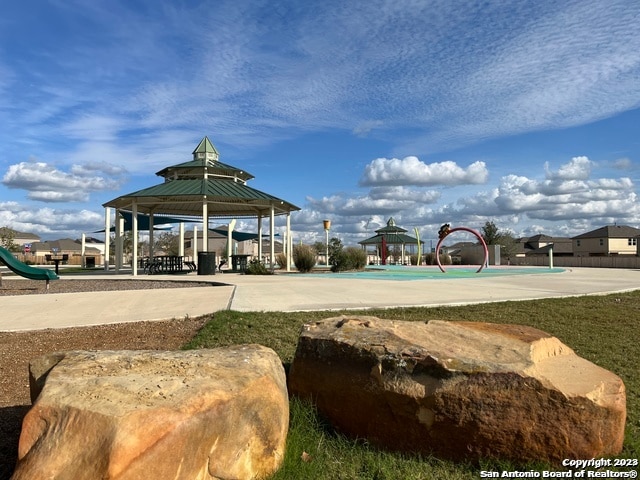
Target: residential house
606, 241
539, 245
21, 239
65, 246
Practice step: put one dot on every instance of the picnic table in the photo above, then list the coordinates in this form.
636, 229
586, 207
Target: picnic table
56, 259
163, 264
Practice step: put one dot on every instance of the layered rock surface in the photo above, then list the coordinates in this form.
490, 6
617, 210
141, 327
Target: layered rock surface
459, 389
128, 415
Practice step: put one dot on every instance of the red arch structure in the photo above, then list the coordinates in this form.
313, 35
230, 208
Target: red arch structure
448, 232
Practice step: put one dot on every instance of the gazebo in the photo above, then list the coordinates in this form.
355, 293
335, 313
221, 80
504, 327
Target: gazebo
202, 188
388, 236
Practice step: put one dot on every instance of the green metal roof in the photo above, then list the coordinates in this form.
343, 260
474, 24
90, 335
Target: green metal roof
391, 227
189, 185
391, 239
185, 197
205, 146
196, 168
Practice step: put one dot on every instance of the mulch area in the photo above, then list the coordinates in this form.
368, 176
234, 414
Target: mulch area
17, 348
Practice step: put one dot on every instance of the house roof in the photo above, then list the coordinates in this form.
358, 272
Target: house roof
611, 231
63, 245
23, 235
560, 245
539, 238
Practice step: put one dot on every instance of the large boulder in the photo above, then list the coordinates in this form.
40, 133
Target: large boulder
459, 389
135, 415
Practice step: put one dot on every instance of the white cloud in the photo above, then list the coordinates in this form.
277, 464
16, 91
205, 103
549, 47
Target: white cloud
49, 222
47, 183
405, 194
579, 168
412, 171
623, 164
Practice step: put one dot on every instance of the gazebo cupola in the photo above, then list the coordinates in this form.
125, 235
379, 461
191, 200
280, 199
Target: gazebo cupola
205, 165
206, 151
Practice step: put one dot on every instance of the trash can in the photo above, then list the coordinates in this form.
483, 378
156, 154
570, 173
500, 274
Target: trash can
89, 262
206, 263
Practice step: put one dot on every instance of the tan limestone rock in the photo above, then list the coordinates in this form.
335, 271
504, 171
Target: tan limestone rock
459, 389
128, 415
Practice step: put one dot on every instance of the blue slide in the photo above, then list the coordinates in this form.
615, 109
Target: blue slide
25, 270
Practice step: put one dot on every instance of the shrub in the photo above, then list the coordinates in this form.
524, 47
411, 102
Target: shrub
281, 260
304, 258
349, 258
445, 259
256, 267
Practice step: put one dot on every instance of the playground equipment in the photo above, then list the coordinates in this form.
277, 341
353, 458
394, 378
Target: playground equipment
25, 270
446, 230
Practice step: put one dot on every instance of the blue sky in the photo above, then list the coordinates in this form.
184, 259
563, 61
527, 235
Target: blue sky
524, 113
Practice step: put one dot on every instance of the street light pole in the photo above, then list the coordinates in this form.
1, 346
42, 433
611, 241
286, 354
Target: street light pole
327, 227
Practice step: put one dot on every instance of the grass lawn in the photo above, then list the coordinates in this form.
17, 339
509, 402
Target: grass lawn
602, 329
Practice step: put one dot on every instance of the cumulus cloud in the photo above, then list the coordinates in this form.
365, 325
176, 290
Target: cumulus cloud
47, 183
567, 194
579, 168
50, 222
411, 171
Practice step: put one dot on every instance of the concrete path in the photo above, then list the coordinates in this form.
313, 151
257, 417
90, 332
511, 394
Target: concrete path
291, 292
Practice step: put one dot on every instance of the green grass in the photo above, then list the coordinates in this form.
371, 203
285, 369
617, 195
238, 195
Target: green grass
602, 329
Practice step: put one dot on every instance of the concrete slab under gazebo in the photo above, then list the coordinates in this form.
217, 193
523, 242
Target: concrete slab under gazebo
390, 235
201, 188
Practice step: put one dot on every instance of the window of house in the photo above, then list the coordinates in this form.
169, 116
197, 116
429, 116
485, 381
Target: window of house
577, 243
632, 242
602, 242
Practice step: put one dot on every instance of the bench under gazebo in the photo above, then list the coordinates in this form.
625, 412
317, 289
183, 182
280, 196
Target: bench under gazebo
201, 188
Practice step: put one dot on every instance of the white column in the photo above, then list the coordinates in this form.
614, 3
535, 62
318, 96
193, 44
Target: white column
134, 238
551, 257
181, 239
83, 249
289, 242
205, 226
230, 228
118, 242
272, 232
121, 239
260, 237
107, 236
151, 239
195, 243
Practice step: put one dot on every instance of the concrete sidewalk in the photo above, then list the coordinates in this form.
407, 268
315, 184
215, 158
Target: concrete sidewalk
291, 292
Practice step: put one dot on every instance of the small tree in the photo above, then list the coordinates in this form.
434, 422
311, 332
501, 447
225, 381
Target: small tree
169, 243
335, 247
493, 236
7, 237
490, 234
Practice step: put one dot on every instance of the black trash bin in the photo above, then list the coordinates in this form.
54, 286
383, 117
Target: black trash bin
206, 263
89, 262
